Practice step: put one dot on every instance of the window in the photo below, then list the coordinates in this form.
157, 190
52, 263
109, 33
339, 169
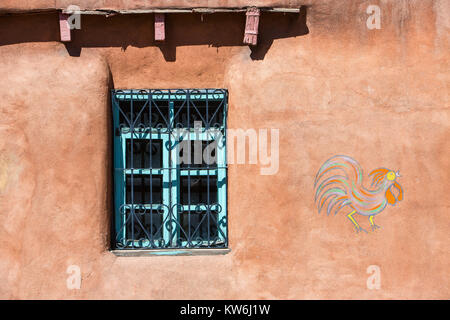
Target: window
170, 172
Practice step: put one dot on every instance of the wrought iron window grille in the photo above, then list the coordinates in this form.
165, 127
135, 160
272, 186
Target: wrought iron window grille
170, 170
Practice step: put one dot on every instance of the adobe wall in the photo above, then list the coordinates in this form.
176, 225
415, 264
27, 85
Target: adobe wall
330, 85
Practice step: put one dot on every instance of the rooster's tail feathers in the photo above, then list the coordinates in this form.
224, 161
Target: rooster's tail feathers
336, 197
334, 188
349, 166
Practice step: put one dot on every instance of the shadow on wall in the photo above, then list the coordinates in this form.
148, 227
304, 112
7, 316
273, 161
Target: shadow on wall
182, 29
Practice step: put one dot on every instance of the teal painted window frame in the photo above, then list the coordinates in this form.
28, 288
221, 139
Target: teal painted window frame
170, 170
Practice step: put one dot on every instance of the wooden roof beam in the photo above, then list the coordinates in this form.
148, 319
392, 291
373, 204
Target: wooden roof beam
251, 26
183, 10
64, 27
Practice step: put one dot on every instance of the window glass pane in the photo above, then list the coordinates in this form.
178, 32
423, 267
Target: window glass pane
142, 153
196, 188
141, 189
201, 153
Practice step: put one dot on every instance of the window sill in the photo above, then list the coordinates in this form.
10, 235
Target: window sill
170, 252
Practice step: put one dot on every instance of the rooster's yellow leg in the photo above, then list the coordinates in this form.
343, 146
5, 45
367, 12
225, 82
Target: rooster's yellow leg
357, 226
372, 224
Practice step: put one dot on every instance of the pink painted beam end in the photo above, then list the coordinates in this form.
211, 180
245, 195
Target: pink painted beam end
160, 31
251, 26
64, 28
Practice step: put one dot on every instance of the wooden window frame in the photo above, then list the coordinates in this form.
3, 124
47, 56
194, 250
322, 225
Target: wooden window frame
171, 172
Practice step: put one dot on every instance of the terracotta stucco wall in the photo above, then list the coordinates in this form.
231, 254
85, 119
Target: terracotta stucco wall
331, 87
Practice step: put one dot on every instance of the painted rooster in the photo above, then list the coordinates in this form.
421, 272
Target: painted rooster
339, 184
